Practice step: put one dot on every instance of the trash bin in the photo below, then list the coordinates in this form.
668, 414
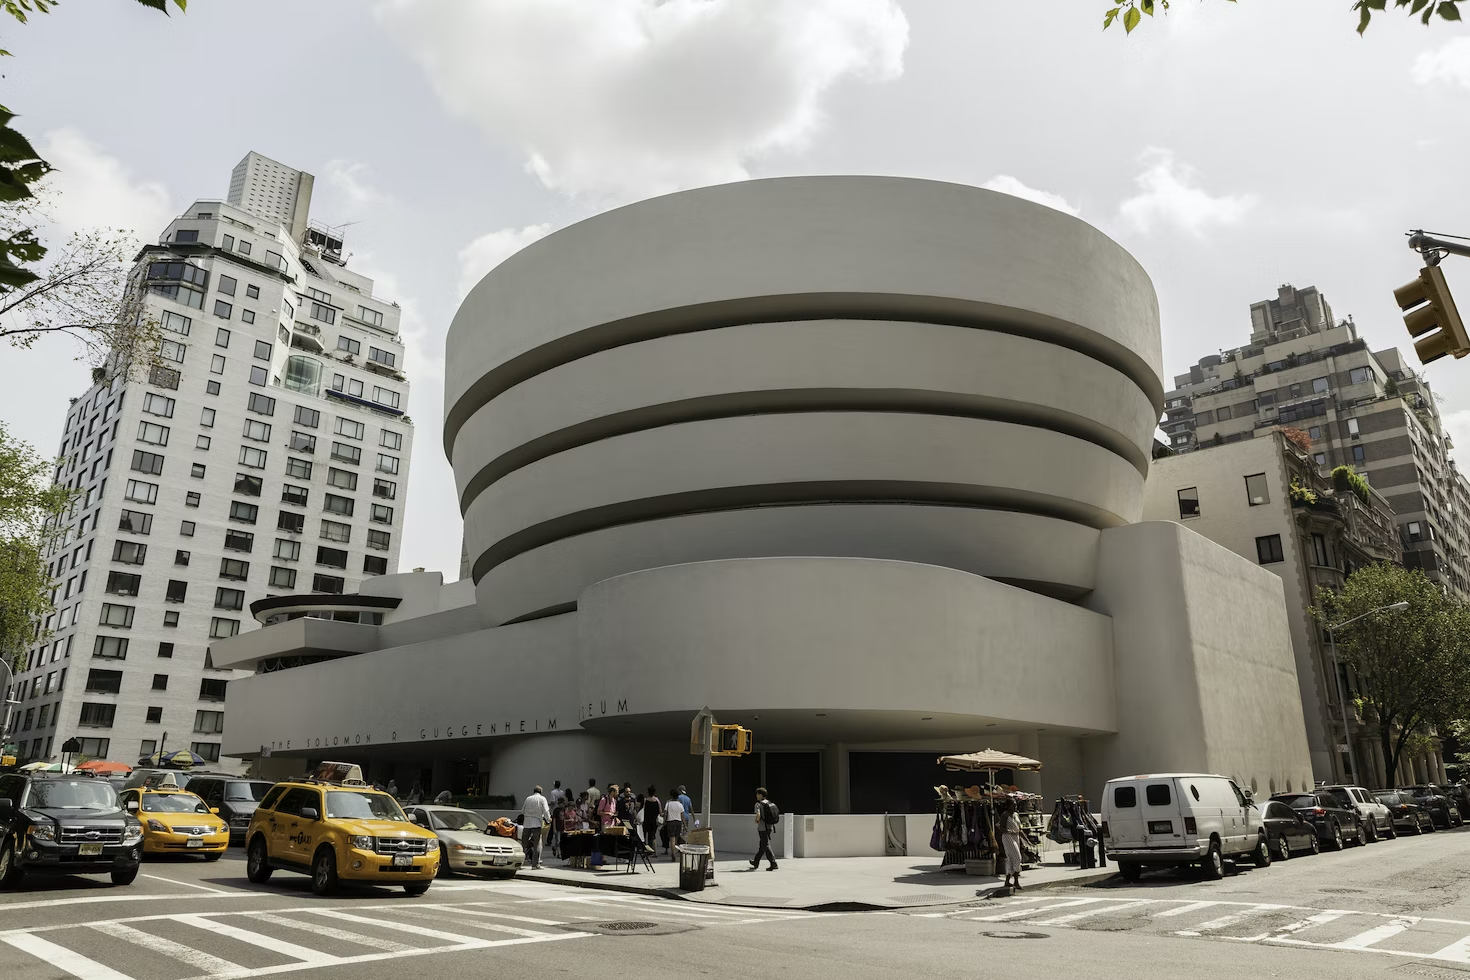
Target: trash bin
693, 863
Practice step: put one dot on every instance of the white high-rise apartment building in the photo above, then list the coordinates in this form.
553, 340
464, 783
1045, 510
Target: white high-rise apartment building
269, 457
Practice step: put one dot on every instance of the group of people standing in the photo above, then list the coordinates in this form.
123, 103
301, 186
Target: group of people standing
546, 816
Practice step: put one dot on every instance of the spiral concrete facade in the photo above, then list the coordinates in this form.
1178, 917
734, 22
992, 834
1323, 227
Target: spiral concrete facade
855, 461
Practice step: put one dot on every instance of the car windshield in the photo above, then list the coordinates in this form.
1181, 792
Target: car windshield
1299, 800
345, 804
73, 795
456, 820
1391, 799
1340, 795
246, 791
173, 803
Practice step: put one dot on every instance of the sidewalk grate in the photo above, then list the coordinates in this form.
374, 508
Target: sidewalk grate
626, 926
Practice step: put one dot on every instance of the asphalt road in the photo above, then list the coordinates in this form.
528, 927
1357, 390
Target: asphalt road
1393, 909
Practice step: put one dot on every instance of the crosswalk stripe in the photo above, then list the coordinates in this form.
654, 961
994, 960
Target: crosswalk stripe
1292, 928
1022, 913
1185, 909
187, 954
1456, 952
1226, 921
314, 957
79, 966
1062, 920
1375, 935
449, 937
492, 926
331, 932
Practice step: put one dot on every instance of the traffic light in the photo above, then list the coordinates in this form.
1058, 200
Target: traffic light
732, 740
1428, 306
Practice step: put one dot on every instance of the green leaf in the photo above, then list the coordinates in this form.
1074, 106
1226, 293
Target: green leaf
1131, 19
1418, 6
1449, 11
1147, 6
1364, 15
1108, 18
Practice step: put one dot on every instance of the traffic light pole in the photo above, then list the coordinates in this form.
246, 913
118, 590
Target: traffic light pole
1434, 249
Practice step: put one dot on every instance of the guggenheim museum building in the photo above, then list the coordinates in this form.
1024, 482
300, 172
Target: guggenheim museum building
857, 462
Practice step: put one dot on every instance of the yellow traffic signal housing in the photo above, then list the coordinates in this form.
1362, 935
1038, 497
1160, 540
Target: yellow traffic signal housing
732, 740
1428, 306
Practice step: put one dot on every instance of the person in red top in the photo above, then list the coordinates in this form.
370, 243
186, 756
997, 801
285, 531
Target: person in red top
607, 808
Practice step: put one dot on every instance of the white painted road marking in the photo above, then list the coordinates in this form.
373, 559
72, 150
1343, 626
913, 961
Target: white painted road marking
1226, 921
314, 957
331, 932
1376, 935
82, 967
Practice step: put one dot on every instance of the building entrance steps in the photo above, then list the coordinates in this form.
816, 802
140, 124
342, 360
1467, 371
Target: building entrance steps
818, 884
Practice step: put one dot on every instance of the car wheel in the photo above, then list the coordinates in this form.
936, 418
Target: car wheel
416, 890
1214, 863
1283, 848
1316, 845
1372, 829
1392, 832
1337, 841
324, 871
257, 865
1263, 852
10, 871
126, 876
444, 871
1130, 870
1361, 834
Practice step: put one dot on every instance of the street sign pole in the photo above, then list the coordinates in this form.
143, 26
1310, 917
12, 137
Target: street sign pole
701, 733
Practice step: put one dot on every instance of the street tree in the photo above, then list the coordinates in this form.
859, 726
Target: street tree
30, 511
1130, 13
1411, 668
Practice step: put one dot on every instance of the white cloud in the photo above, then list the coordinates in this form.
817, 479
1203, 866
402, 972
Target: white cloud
351, 179
1007, 184
618, 99
493, 248
1169, 195
1448, 63
95, 190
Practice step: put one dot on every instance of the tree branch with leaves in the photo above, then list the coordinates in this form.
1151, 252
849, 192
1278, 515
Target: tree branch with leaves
31, 509
1131, 12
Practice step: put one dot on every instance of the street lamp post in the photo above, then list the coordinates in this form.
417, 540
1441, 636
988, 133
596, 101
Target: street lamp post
1347, 736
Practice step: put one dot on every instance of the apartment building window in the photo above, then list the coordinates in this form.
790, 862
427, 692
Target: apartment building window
261, 404
327, 583
387, 463
294, 495
172, 350
1359, 374
192, 498
231, 599
196, 470
383, 357
335, 504
129, 552
239, 541
387, 489
102, 682
96, 748
96, 715
252, 292
378, 540
1255, 490
212, 690
116, 616
1320, 385
208, 751
374, 565
1321, 459
123, 583
299, 468
177, 590
323, 313
181, 557
331, 557
380, 514
1416, 531
175, 322
370, 316
1360, 455
158, 405
350, 429
160, 682
349, 345
247, 485
225, 285
288, 550
320, 294
262, 350
209, 722
1352, 428
141, 492
292, 523
1188, 503
221, 628
221, 339
223, 309
171, 619
166, 650
336, 531
302, 442
259, 376
110, 647
154, 435
145, 462
1320, 554
252, 457
345, 453
149, 746
308, 417
206, 418
1268, 549
234, 569
135, 522
282, 578
389, 439
153, 716
1314, 433
256, 431
389, 397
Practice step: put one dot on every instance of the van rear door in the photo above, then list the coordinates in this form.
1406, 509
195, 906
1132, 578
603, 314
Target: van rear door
1163, 822
1123, 812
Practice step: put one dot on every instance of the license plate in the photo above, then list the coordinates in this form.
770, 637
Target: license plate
89, 850
194, 842
501, 862
403, 860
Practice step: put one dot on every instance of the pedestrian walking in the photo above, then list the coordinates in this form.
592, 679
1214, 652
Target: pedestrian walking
593, 794
393, 787
653, 812
673, 824
688, 806
767, 815
558, 795
1010, 840
534, 813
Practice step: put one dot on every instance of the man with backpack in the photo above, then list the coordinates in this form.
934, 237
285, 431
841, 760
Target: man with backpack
767, 815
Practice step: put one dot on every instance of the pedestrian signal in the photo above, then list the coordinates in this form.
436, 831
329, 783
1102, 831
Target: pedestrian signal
732, 740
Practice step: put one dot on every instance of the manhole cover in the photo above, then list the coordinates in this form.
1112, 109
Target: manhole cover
1013, 934
626, 926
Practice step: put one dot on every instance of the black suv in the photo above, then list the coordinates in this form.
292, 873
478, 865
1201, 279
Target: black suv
1433, 800
233, 797
70, 825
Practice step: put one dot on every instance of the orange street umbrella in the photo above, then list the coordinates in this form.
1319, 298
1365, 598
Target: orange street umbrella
103, 766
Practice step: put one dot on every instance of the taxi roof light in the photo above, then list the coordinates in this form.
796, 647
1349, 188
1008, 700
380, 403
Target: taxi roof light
337, 774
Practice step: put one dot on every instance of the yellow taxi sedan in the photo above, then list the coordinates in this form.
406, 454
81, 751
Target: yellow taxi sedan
176, 821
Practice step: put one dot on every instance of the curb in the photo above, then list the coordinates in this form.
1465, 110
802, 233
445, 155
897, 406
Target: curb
605, 884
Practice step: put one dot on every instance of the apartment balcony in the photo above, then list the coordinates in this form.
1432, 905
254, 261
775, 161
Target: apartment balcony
304, 336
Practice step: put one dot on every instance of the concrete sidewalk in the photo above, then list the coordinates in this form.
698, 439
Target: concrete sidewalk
818, 884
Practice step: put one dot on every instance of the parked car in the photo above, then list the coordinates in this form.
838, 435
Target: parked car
1174, 819
232, 797
1408, 816
466, 843
1335, 823
70, 825
1377, 821
1439, 806
1287, 831
1459, 795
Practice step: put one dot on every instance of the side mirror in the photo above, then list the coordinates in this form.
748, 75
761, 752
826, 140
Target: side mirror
214, 810
132, 806
307, 813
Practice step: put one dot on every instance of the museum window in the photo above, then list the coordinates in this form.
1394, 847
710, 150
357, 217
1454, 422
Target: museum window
1188, 503
1320, 554
1268, 549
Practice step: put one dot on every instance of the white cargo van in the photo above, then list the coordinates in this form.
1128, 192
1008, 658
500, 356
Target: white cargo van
1178, 819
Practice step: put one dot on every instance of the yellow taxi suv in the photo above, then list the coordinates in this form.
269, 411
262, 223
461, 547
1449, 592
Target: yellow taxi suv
176, 821
336, 828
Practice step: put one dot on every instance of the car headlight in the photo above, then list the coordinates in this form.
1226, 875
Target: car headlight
156, 824
132, 832
43, 832
361, 843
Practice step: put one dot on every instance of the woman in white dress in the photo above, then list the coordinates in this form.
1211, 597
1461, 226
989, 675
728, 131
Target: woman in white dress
1011, 841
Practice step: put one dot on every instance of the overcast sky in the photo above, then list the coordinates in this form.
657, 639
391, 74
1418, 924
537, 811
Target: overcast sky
1230, 147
